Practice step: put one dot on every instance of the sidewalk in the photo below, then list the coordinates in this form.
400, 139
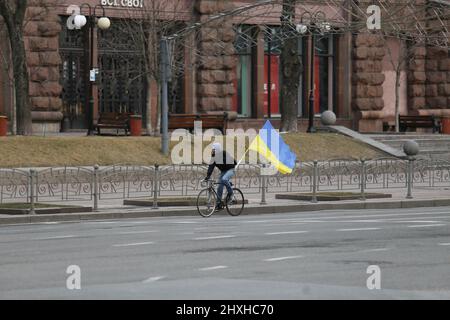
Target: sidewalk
114, 209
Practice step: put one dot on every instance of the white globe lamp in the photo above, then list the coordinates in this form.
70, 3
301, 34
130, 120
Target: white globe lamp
80, 21
104, 23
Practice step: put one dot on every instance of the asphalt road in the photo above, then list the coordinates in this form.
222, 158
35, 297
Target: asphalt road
318, 255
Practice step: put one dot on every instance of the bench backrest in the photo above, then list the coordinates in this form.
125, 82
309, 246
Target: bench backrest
416, 118
186, 121
114, 117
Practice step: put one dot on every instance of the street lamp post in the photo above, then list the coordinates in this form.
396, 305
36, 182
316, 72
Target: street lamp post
103, 23
165, 77
318, 25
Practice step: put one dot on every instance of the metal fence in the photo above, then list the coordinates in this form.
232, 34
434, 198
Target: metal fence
123, 181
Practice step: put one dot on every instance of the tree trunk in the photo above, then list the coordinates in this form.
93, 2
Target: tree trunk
21, 84
14, 20
291, 67
397, 98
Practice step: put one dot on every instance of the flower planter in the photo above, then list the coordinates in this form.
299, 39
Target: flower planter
446, 125
3, 126
136, 125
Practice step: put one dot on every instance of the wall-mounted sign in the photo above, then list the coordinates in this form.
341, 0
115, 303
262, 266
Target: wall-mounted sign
123, 3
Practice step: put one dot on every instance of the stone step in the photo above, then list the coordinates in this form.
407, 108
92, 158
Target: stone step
384, 137
433, 144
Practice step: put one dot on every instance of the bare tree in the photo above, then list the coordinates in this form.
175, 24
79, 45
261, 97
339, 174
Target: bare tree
145, 28
13, 13
291, 67
399, 63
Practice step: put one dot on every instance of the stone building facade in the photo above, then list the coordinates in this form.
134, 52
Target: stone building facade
355, 69
42, 43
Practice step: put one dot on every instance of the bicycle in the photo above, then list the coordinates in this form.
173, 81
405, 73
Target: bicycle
207, 200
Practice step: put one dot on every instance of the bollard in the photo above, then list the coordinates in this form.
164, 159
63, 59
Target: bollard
315, 173
363, 180
155, 187
263, 185
410, 177
32, 182
411, 148
96, 193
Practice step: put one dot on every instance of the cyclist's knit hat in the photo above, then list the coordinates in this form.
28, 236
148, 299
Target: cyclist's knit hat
217, 146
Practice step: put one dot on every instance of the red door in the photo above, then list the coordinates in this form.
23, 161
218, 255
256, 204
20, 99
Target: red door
316, 85
274, 81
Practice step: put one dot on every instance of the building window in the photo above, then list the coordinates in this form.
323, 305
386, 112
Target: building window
242, 99
324, 75
272, 71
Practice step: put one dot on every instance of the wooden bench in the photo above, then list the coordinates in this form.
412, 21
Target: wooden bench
113, 120
418, 122
209, 121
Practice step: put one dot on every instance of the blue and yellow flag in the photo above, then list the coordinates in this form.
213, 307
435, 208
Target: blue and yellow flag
271, 146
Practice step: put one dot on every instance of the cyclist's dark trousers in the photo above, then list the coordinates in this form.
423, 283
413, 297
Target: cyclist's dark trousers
224, 180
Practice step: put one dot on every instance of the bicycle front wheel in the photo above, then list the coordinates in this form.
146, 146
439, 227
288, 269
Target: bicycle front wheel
235, 203
206, 202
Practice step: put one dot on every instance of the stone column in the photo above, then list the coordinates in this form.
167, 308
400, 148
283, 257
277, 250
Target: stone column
41, 41
216, 62
437, 70
367, 80
416, 80
434, 76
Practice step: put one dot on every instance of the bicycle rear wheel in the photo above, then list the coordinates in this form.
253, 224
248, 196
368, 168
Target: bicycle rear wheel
206, 202
235, 204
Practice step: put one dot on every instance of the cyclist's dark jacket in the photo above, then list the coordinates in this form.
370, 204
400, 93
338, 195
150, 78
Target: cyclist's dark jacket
224, 163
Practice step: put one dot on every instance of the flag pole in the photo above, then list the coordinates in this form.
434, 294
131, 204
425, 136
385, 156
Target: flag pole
239, 162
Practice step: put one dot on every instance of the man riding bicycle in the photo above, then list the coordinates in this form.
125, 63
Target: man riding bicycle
226, 164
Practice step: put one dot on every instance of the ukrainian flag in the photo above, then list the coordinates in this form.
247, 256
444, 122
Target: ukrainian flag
271, 146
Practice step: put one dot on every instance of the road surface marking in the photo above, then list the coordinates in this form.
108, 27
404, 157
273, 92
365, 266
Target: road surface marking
153, 279
185, 222
426, 225
358, 229
282, 258
215, 237
414, 221
132, 244
284, 232
137, 232
102, 222
55, 238
375, 250
444, 244
260, 221
213, 268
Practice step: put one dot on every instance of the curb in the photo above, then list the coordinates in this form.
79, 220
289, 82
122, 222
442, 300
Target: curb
260, 209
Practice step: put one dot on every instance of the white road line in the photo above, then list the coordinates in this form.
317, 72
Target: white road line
137, 232
101, 222
426, 225
132, 244
215, 237
375, 250
213, 268
281, 224
153, 279
262, 221
282, 258
358, 229
185, 222
284, 232
444, 244
414, 221
55, 238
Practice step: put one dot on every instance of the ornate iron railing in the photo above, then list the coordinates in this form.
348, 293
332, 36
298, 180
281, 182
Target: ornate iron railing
124, 181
